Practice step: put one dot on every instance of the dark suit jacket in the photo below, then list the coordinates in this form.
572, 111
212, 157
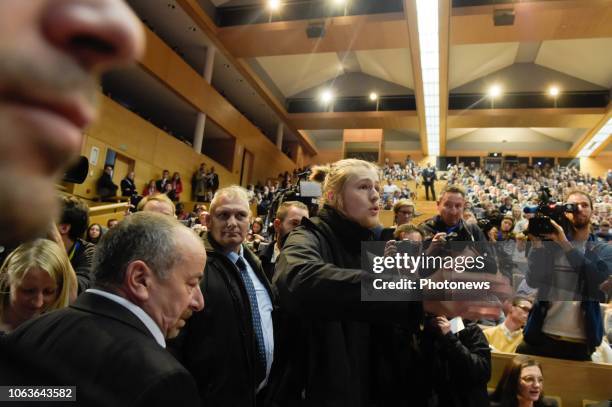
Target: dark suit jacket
218, 345
104, 350
81, 261
106, 186
265, 253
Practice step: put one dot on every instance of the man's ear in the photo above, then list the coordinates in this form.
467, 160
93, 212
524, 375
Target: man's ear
137, 281
63, 228
276, 224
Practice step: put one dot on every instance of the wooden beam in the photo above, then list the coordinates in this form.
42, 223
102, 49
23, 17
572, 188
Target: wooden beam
203, 21
174, 73
534, 21
588, 136
355, 120
445, 7
415, 56
577, 118
348, 33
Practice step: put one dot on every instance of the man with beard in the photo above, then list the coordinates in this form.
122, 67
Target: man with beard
288, 216
51, 54
568, 271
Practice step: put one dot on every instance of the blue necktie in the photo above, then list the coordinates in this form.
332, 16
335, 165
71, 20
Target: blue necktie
250, 288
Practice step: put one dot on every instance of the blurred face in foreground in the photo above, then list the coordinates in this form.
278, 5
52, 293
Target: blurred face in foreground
51, 54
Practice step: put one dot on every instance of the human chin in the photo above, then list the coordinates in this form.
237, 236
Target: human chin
18, 200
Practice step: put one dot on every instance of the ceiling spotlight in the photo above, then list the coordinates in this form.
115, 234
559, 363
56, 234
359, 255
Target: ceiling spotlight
339, 2
373, 96
273, 4
327, 96
553, 91
495, 91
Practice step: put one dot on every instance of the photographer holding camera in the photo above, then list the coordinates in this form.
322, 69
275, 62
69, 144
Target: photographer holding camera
568, 271
447, 229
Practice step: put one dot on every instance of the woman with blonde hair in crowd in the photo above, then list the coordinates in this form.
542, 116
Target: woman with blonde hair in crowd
35, 278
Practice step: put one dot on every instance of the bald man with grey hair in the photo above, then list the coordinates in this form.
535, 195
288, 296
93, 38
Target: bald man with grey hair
229, 347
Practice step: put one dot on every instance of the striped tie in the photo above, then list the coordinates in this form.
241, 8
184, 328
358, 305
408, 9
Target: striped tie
250, 288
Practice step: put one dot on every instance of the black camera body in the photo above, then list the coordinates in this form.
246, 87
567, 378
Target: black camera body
541, 224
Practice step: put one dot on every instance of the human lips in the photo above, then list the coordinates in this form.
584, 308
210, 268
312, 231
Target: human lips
53, 124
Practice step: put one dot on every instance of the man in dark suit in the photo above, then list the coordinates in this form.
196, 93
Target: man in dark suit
160, 184
110, 342
228, 348
288, 216
429, 178
106, 186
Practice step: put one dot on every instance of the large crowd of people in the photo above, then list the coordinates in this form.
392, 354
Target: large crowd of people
220, 307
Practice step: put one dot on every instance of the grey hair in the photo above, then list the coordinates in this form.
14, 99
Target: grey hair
146, 236
231, 192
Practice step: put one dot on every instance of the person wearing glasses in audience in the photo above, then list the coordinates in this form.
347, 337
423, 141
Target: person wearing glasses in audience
507, 336
521, 385
403, 212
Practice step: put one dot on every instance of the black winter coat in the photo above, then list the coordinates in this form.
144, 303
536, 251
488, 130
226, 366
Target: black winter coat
456, 367
335, 349
218, 345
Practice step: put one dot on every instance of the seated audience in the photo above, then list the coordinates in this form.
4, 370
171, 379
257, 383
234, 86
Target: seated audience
94, 233
110, 342
72, 225
35, 278
506, 336
105, 185
521, 385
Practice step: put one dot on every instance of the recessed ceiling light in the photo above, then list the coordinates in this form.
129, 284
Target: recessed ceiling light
553, 91
273, 4
495, 91
373, 96
327, 96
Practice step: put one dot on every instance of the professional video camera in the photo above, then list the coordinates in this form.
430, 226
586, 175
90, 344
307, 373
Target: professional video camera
547, 211
304, 191
490, 220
